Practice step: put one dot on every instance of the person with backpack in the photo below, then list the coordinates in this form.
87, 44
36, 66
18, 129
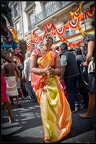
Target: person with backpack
83, 77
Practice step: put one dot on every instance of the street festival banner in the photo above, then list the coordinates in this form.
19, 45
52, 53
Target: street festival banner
76, 18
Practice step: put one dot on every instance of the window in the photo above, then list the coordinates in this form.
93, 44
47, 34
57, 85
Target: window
88, 6
16, 10
18, 27
12, 12
32, 19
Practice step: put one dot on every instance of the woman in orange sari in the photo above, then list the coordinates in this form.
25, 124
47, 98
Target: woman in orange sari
55, 110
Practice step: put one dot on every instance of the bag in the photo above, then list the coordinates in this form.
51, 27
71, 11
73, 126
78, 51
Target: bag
84, 73
91, 66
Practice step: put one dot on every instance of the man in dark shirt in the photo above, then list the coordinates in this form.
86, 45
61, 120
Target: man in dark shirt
69, 72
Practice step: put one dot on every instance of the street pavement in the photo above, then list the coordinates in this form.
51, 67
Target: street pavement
27, 127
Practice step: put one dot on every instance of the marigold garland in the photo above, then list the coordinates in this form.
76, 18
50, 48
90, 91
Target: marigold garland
74, 24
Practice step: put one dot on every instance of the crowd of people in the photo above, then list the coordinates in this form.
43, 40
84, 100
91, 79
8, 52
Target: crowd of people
44, 76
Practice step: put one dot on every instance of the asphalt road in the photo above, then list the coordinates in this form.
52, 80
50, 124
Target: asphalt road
27, 127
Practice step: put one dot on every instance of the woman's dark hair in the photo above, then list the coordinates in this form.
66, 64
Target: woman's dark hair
88, 37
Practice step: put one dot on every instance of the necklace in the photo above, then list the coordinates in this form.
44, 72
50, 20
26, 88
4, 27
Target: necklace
43, 52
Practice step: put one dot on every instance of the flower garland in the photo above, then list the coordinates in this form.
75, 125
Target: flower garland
79, 10
60, 31
74, 24
90, 13
75, 14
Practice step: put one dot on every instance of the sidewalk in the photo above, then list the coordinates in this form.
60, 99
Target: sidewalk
28, 128
87, 137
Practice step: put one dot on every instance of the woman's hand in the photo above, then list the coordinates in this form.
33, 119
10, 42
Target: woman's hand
85, 64
47, 70
50, 71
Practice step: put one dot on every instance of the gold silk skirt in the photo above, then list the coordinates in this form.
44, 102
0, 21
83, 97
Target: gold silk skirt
55, 110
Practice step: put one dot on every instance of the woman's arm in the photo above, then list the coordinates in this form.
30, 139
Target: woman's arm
89, 53
4, 56
17, 71
56, 70
63, 68
33, 66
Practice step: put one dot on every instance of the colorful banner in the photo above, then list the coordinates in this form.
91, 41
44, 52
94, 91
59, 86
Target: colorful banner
74, 24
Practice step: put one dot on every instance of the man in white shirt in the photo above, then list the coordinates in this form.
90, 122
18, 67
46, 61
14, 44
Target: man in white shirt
27, 75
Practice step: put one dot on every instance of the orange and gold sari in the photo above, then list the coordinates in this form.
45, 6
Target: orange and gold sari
55, 110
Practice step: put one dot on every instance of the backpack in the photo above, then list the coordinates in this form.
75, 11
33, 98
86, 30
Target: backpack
84, 73
91, 66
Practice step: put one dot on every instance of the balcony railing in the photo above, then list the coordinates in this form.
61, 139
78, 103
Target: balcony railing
48, 12
51, 10
29, 3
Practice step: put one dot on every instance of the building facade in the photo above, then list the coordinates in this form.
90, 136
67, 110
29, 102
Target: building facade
31, 16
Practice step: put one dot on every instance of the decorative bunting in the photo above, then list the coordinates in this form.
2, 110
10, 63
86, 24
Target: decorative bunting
74, 15
77, 25
60, 31
91, 13
28, 42
74, 24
